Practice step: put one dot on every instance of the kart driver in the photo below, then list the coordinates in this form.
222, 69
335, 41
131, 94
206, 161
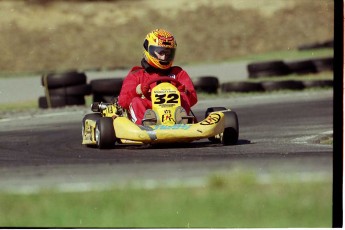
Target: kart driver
159, 52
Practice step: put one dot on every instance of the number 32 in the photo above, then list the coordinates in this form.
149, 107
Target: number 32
164, 98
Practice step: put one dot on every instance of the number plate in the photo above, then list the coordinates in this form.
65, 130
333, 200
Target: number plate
165, 98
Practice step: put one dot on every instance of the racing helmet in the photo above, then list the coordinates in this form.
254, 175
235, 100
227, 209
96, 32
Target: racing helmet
159, 48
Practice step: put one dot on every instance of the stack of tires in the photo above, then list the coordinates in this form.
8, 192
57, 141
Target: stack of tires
267, 69
283, 68
64, 89
104, 90
241, 86
206, 84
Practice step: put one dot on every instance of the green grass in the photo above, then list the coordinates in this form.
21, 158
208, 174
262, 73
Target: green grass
234, 201
19, 106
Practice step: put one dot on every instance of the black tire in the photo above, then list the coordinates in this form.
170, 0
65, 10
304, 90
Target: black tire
318, 83
56, 80
281, 85
91, 116
213, 109
76, 90
106, 86
241, 87
102, 98
302, 67
207, 84
229, 137
105, 133
323, 64
231, 131
60, 101
208, 111
267, 69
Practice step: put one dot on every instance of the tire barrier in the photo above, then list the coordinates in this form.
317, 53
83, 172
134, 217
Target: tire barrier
56, 80
63, 89
104, 90
318, 83
281, 85
206, 84
281, 68
323, 64
70, 88
302, 67
273, 85
241, 87
267, 69
75, 90
60, 101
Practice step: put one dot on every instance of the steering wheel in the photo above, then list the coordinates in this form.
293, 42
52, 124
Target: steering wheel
145, 87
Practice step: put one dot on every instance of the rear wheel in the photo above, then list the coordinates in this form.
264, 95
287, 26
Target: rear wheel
105, 133
90, 116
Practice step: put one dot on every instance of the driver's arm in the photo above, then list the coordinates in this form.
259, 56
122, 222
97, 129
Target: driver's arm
189, 93
128, 90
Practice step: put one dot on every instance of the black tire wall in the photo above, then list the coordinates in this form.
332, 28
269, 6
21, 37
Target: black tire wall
63, 89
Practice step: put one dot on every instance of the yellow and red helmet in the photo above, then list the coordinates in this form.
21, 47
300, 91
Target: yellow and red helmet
159, 49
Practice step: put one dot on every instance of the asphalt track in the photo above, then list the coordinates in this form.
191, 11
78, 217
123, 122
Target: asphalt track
279, 134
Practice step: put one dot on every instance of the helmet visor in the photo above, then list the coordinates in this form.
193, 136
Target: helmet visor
163, 54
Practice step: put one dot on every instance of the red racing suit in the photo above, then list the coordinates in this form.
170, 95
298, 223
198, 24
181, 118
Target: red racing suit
130, 100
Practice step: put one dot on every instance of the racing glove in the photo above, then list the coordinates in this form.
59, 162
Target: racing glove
144, 90
138, 90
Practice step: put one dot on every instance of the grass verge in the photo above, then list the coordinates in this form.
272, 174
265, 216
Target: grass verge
19, 106
234, 201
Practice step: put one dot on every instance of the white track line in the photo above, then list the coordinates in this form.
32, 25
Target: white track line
306, 139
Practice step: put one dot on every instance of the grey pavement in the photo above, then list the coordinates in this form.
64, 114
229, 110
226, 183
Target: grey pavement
25, 89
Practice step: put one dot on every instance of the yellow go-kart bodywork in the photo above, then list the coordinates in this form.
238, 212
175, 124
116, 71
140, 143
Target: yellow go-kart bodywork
110, 124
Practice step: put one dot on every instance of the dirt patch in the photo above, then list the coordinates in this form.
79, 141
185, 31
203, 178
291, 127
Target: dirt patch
60, 35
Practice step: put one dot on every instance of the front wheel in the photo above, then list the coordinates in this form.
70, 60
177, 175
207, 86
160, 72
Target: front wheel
231, 130
229, 136
215, 139
105, 133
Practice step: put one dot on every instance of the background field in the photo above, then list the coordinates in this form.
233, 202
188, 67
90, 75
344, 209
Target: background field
40, 35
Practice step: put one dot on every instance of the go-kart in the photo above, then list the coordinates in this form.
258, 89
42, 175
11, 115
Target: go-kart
111, 125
